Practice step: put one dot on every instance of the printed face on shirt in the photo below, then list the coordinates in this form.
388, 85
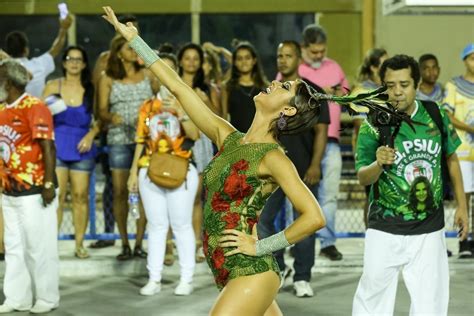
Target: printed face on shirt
429, 71
421, 192
401, 89
287, 60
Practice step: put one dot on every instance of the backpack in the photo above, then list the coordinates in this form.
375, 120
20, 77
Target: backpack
433, 110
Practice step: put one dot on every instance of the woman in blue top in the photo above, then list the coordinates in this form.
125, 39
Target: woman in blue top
74, 133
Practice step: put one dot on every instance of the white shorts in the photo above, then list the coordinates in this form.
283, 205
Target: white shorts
467, 170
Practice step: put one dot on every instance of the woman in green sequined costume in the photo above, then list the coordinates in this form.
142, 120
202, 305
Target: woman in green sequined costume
238, 181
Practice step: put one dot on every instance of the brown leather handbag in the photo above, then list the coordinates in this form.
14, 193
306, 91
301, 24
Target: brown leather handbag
167, 170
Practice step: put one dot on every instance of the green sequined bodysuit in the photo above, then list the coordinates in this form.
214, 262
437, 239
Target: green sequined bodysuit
234, 197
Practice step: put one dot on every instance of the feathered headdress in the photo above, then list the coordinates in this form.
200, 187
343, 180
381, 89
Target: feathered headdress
375, 101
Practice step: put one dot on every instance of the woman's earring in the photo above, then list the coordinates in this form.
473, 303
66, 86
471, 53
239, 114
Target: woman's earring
281, 121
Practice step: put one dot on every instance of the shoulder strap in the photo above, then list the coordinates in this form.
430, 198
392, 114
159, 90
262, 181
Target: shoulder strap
433, 110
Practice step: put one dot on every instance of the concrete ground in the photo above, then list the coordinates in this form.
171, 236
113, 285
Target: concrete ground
102, 286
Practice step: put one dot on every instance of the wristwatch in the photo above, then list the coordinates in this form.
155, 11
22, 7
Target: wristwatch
48, 185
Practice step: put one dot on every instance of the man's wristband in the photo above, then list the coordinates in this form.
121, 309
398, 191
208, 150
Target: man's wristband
271, 244
145, 52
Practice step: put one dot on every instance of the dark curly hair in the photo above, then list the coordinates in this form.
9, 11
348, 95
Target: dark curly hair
399, 62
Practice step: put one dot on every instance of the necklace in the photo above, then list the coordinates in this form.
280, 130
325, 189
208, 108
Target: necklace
249, 94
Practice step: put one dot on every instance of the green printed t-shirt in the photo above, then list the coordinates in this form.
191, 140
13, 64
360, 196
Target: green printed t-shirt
410, 192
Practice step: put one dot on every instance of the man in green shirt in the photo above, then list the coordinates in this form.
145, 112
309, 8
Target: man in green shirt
406, 217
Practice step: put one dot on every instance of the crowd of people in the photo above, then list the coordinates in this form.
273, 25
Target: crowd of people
270, 141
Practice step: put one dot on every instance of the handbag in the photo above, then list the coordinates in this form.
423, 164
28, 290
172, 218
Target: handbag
167, 170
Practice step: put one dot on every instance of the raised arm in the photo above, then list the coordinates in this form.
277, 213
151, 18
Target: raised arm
212, 125
60, 40
284, 173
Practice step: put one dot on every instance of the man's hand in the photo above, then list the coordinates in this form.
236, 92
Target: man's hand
65, 24
461, 221
385, 155
312, 175
48, 195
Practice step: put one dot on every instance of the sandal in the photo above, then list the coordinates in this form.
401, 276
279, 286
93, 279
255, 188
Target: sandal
81, 253
169, 256
199, 252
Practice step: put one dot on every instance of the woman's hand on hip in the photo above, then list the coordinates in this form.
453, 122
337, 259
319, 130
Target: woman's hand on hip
242, 242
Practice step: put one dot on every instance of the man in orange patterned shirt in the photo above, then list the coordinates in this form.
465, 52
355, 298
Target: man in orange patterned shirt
29, 196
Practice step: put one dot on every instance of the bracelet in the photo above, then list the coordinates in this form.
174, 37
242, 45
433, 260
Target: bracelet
147, 54
271, 244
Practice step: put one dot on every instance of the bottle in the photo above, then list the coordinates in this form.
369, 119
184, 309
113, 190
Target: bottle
133, 205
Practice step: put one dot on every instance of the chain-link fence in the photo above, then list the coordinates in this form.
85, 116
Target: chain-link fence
349, 216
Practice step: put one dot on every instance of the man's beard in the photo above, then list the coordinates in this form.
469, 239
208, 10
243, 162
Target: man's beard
3, 93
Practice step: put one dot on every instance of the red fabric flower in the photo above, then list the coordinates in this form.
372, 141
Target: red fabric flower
240, 165
219, 204
218, 258
251, 221
232, 220
222, 277
236, 187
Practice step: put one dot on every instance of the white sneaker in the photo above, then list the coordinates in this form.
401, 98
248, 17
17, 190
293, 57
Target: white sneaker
151, 288
285, 275
42, 307
6, 309
303, 289
183, 289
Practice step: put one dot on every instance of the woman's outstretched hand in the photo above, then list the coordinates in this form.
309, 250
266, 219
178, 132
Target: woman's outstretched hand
127, 31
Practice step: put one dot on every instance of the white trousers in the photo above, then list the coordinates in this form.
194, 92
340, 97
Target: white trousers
424, 264
162, 208
467, 170
31, 251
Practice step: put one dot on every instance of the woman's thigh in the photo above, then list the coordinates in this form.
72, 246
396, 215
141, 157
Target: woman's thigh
247, 295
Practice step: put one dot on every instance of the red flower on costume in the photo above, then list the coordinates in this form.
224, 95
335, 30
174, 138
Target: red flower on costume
240, 165
222, 277
218, 258
219, 204
236, 186
232, 220
251, 221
